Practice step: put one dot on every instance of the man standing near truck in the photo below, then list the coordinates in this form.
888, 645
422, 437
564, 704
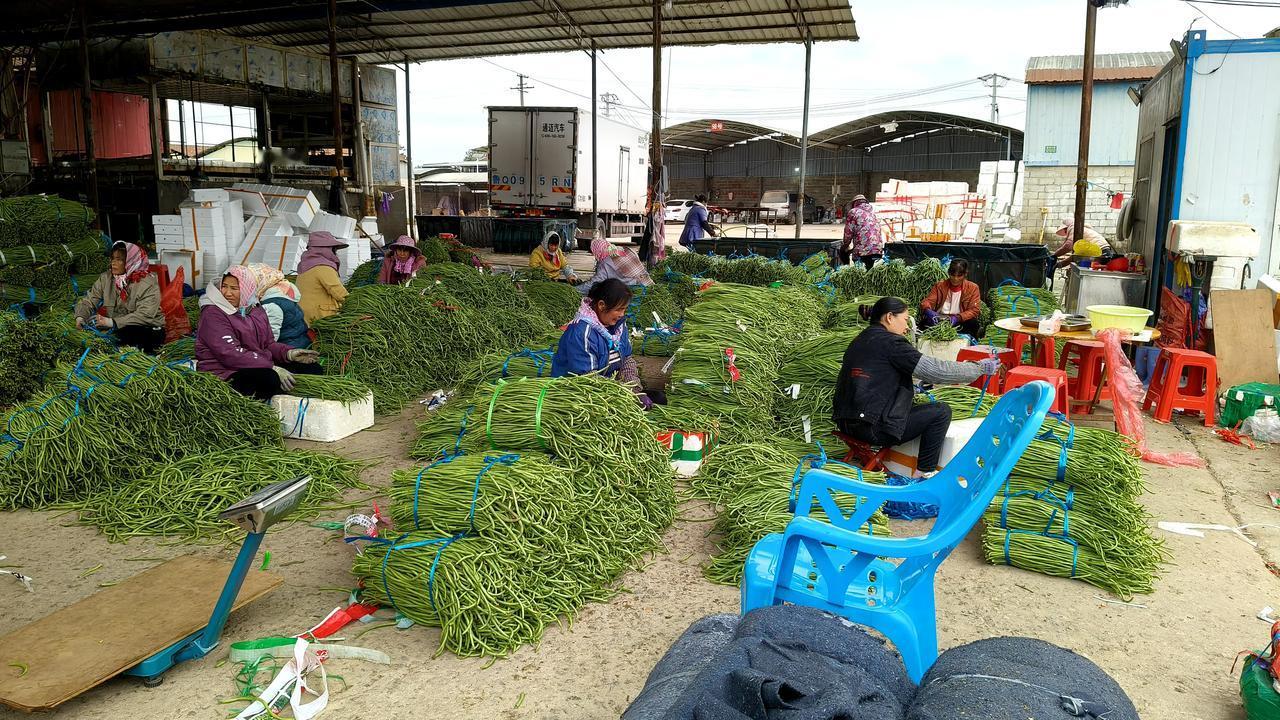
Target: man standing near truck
696, 224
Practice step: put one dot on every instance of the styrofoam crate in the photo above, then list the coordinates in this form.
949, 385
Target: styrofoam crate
203, 195
191, 262
297, 206
252, 202
322, 420
171, 243
1006, 166
340, 226
166, 220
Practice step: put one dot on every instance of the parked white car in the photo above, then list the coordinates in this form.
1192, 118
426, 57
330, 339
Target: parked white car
677, 210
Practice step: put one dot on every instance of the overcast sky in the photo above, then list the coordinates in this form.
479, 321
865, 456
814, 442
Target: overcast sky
906, 46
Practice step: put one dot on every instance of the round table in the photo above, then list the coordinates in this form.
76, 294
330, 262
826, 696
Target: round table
1014, 325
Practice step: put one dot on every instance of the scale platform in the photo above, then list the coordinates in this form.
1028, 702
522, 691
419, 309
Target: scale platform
81, 646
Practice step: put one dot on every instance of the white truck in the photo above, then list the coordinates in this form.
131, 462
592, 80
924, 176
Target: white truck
540, 166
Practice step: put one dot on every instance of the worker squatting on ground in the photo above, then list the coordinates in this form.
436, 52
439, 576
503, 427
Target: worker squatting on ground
279, 299
322, 289
616, 262
875, 394
401, 263
234, 340
130, 293
1066, 231
956, 300
597, 341
862, 236
549, 258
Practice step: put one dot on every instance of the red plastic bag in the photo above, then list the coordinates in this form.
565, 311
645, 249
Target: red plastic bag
1175, 320
1127, 393
176, 323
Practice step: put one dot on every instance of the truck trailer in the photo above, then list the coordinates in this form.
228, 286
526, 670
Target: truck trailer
540, 166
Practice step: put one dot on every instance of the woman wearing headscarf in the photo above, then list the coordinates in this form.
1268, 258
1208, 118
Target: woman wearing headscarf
401, 263
597, 341
615, 262
234, 340
322, 290
862, 236
279, 300
549, 258
131, 295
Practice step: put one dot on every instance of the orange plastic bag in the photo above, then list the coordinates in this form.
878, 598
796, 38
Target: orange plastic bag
1127, 393
176, 323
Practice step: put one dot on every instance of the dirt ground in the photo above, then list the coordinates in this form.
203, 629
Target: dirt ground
1174, 656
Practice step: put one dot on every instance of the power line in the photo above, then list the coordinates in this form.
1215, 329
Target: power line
823, 108
1205, 15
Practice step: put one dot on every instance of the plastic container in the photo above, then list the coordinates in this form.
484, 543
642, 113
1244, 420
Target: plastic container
1264, 426
1122, 317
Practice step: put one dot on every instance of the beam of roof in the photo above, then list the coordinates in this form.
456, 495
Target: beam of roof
712, 134
871, 130
380, 31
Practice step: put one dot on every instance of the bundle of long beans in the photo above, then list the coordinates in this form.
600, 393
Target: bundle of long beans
845, 316
366, 273
434, 250
42, 220
558, 301
179, 350
965, 401
183, 498
106, 416
329, 387
941, 332
29, 349
688, 263
924, 275
754, 270
850, 280
1070, 509
731, 347
753, 483
813, 366
532, 361
892, 278
1015, 301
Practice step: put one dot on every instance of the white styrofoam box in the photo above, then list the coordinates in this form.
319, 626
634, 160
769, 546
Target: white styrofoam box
1228, 273
988, 167
252, 202
943, 350
233, 221
204, 195
170, 242
258, 230
971, 231
191, 262
1006, 166
1220, 239
340, 226
170, 220
369, 223
322, 420
298, 207
282, 252
904, 458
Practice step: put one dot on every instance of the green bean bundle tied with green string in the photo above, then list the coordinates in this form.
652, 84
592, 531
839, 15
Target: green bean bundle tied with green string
182, 499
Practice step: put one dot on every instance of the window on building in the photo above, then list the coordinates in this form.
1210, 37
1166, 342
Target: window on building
211, 131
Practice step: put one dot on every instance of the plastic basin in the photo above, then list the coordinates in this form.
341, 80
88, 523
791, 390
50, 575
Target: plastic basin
1122, 317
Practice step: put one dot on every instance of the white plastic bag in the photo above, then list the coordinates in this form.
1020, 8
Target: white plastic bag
1263, 426
1052, 324
288, 687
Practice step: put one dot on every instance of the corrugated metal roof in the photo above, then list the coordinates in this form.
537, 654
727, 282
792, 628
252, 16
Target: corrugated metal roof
1109, 67
381, 31
712, 134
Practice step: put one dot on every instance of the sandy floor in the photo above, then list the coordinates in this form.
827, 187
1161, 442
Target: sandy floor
1174, 656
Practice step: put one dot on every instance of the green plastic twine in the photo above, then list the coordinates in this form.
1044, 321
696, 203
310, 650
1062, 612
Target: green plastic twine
488, 421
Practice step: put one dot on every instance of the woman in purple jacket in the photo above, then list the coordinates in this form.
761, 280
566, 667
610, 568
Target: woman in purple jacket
234, 340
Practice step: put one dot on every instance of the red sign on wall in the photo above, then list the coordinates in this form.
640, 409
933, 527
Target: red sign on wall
717, 126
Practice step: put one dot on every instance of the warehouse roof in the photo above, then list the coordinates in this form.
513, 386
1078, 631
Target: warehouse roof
1050, 69
886, 127
381, 31
712, 134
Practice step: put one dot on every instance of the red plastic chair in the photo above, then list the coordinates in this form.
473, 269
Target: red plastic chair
1183, 380
1024, 374
1088, 358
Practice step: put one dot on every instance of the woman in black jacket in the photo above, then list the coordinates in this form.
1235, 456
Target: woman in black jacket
874, 392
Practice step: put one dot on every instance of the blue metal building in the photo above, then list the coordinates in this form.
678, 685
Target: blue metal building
1208, 147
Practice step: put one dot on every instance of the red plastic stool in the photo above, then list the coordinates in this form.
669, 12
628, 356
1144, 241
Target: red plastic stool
1007, 357
1024, 374
1045, 349
1088, 357
1183, 380
1017, 342
863, 454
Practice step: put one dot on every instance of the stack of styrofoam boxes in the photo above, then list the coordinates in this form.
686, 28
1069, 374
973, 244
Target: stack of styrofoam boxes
369, 229
212, 224
297, 207
270, 241
173, 251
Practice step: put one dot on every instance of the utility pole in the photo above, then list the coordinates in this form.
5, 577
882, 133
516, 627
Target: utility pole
1086, 116
997, 81
804, 132
522, 86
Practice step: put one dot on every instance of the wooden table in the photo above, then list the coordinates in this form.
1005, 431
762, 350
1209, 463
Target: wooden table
1014, 325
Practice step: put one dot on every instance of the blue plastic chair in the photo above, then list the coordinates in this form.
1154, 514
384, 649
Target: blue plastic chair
835, 567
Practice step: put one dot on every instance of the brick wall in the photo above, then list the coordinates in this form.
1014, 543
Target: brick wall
1054, 188
746, 191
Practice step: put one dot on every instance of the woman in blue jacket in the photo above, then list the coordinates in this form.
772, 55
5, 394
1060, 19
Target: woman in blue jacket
597, 339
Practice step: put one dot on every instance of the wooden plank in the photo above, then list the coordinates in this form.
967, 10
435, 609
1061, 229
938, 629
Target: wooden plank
85, 644
1242, 336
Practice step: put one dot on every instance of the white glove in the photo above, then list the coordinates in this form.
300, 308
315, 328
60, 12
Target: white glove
990, 366
286, 378
302, 356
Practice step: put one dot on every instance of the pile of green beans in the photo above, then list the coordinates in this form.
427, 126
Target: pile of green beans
182, 499
178, 350
814, 365
106, 417
404, 341
845, 316
892, 278
29, 349
329, 387
1055, 556
850, 280
924, 275
965, 401
687, 263
192, 305
759, 325
501, 364
540, 494
755, 270
942, 332
752, 484
366, 273
434, 250
42, 220
558, 301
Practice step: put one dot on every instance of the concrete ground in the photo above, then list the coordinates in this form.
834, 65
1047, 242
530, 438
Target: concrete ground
1173, 656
